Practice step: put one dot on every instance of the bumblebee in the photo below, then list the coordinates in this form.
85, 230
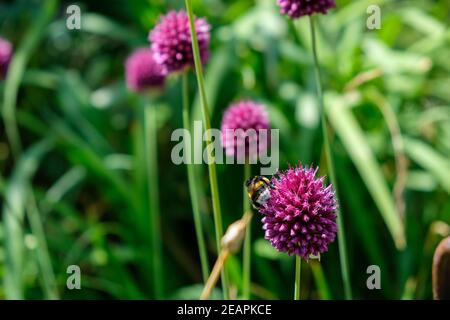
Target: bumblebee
258, 190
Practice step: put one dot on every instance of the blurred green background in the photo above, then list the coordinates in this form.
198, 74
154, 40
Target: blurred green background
76, 193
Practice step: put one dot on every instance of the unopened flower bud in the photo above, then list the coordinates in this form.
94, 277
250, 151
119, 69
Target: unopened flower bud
232, 240
441, 270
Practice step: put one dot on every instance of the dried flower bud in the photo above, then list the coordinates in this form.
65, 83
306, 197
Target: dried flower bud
232, 240
441, 270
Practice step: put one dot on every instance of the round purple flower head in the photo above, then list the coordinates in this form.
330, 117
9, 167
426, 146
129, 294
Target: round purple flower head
5, 56
143, 72
299, 217
298, 8
245, 129
171, 41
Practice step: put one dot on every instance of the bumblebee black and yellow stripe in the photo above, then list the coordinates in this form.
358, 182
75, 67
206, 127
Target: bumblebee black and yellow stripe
257, 190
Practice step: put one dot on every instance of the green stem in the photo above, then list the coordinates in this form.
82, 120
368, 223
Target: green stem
321, 281
192, 185
42, 253
211, 157
16, 200
248, 239
329, 158
151, 150
298, 271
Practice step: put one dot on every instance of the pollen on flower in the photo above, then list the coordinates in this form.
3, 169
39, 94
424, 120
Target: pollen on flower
300, 216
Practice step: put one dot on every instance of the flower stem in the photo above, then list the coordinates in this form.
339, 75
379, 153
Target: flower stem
150, 140
211, 157
192, 185
248, 239
321, 281
298, 271
329, 158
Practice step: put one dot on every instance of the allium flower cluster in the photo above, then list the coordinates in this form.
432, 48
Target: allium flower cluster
170, 51
143, 72
298, 8
171, 41
241, 125
299, 218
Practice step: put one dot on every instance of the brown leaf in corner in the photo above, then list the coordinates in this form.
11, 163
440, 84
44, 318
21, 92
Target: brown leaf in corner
441, 271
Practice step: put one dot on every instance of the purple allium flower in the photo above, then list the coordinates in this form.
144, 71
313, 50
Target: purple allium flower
299, 217
298, 8
242, 127
143, 72
171, 41
5, 56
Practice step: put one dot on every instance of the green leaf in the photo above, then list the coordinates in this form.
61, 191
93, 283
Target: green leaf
357, 146
16, 195
429, 159
215, 73
17, 69
354, 10
394, 61
114, 186
74, 98
421, 180
101, 25
40, 78
193, 293
264, 249
64, 184
419, 20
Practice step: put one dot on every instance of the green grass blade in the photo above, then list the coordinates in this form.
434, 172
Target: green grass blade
42, 254
151, 158
193, 191
16, 72
320, 280
73, 96
429, 159
13, 217
211, 157
247, 267
81, 154
65, 183
357, 146
102, 25
215, 75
